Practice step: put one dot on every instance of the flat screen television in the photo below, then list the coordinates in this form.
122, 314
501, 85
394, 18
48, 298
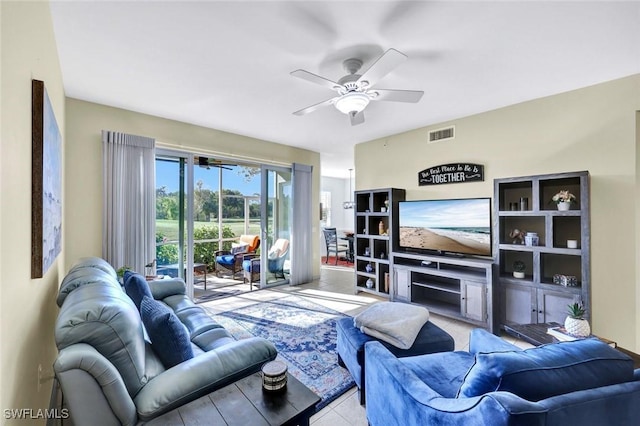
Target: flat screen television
460, 226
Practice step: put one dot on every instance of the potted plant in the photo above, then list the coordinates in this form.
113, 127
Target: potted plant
575, 324
518, 269
563, 199
120, 272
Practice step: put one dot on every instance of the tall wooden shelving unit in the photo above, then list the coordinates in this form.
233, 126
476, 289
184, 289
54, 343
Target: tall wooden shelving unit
370, 247
536, 298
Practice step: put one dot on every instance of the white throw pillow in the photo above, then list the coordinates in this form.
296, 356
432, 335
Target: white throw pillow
274, 253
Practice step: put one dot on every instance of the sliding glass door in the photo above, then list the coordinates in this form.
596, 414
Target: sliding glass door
174, 232
276, 226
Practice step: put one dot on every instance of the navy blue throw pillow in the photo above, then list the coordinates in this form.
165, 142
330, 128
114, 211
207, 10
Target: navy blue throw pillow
136, 287
169, 338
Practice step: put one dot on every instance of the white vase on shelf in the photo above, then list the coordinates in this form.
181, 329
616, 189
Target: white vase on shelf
577, 327
564, 205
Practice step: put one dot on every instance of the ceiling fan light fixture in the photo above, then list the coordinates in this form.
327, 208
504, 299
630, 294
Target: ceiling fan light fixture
352, 102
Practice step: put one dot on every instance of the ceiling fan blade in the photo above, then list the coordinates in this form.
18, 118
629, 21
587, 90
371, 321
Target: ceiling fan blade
382, 66
312, 108
356, 118
313, 78
412, 96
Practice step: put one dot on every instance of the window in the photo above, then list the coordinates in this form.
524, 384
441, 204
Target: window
325, 214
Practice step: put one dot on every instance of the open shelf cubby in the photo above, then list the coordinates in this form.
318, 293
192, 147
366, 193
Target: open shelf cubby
557, 269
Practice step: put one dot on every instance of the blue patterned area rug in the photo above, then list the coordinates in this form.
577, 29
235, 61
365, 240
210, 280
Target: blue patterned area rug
304, 334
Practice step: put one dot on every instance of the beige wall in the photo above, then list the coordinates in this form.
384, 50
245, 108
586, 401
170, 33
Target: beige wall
84, 156
27, 307
590, 129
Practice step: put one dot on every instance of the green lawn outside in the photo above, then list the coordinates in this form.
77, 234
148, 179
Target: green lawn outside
169, 228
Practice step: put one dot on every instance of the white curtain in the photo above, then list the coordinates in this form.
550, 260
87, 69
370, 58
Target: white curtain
301, 244
129, 206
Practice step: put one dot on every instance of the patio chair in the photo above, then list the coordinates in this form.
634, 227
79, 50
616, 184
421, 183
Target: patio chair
331, 241
276, 256
230, 261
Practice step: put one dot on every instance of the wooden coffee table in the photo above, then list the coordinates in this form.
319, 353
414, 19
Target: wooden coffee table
245, 403
537, 335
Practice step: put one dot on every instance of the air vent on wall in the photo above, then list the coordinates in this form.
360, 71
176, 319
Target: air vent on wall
441, 134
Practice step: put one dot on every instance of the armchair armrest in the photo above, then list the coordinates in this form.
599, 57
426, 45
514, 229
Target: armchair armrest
481, 340
165, 288
93, 388
202, 374
220, 253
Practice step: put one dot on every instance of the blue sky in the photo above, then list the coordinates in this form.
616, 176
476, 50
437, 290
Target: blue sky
446, 213
167, 175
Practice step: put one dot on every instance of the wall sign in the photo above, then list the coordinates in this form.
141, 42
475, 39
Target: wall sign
451, 173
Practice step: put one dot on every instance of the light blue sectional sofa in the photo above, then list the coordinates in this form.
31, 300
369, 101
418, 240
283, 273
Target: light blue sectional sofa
584, 382
110, 370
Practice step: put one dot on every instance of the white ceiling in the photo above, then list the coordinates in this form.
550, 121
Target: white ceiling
226, 64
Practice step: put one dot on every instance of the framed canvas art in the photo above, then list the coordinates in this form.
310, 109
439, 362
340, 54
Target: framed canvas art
46, 182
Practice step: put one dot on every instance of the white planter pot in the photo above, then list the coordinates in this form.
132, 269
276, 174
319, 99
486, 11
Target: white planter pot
577, 327
518, 274
564, 206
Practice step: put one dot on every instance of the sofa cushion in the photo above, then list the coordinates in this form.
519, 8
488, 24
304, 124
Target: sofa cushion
250, 266
226, 259
443, 371
136, 287
81, 276
548, 370
103, 316
169, 338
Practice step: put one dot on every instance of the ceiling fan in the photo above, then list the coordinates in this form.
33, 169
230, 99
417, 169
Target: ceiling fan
355, 91
211, 162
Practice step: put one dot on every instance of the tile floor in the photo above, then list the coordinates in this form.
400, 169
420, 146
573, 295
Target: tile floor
334, 289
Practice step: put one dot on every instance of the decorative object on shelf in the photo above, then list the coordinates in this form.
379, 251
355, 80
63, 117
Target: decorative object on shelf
369, 283
451, 173
386, 282
565, 280
367, 251
369, 268
575, 324
274, 376
572, 244
513, 207
383, 256
517, 235
563, 200
518, 269
531, 239
386, 203
524, 203
149, 267
381, 228
383, 209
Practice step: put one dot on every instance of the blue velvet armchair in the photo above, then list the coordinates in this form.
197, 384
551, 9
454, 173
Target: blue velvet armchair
584, 382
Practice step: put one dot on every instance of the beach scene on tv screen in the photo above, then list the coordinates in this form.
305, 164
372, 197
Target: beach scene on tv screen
456, 226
